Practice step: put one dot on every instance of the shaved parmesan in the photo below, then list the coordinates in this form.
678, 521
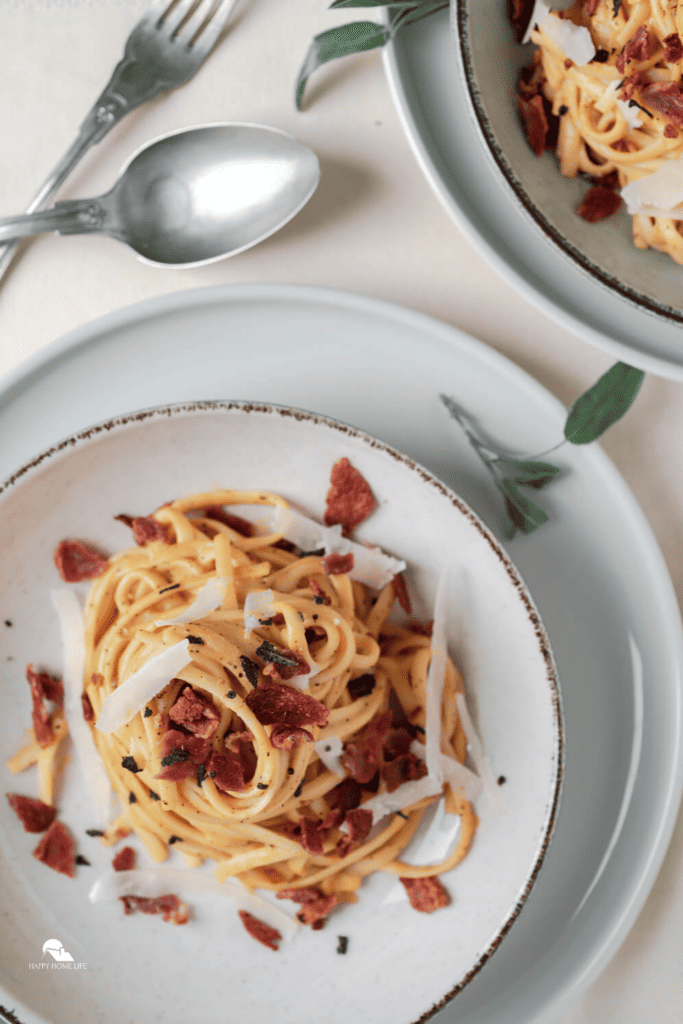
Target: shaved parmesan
435, 680
258, 605
207, 600
475, 749
659, 194
330, 751
151, 882
132, 695
371, 565
574, 40
538, 15
405, 796
93, 772
459, 776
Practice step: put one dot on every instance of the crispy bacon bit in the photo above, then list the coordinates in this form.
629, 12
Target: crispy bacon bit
640, 48
260, 931
77, 561
35, 815
535, 122
229, 769
426, 894
359, 822
172, 909
667, 99
287, 737
180, 753
349, 499
631, 84
315, 905
124, 859
57, 849
361, 757
670, 132
599, 202
195, 713
43, 687
147, 528
335, 564
519, 13
401, 591
405, 768
345, 796
88, 712
673, 48
313, 834
236, 523
568, 63
282, 662
276, 704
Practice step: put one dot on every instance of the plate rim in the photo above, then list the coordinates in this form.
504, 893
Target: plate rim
611, 937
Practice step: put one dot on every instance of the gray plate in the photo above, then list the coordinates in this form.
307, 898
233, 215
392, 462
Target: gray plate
430, 90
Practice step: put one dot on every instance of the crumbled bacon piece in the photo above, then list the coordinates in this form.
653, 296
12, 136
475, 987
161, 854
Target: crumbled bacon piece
667, 99
349, 499
230, 771
277, 704
57, 849
172, 909
519, 13
631, 84
147, 528
404, 768
43, 687
640, 48
35, 815
236, 523
359, 822
401, 591
313, 835
673, 48
317, 589
287, 737
315, 905
77, 561
535, 122
345, 796
670, 131
88, 713
195, 713
124, 859
599, 202
278, 670
426, 894
260, 931
181, 749
335, 564
361, 757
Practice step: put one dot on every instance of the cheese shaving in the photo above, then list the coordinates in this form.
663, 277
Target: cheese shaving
371, 565
538, 16
132, 695
435, 680
574, 40
93, 771
207, 600
459, 776
659, 194
475, 749
152, 882
405, 796
258, 605
330, 751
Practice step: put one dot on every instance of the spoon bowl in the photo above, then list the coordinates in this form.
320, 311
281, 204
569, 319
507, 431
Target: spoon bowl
193, 196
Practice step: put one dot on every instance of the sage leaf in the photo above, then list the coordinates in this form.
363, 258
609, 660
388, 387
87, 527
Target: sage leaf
341, 41
423, 11
603, 404
531, 473
525, 516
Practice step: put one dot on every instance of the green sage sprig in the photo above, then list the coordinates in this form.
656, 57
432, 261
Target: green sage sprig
359, 36
591, 414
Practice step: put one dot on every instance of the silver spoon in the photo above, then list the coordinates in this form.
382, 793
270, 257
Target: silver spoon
193, 196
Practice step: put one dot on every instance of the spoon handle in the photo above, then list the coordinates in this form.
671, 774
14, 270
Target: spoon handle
72, 217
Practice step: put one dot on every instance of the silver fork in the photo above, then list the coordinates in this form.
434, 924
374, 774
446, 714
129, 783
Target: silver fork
169, 43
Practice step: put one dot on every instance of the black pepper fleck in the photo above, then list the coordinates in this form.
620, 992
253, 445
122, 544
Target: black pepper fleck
201, 773
262, 785
132, 799
147, 713
317, 599
154, 796
174, 839
80, 859
343, 943
196, 640
231, 694
174, 586
130, 764
212, 774
8, 623
601, 56
250, 669
501, 780
290, 771
94, 832
402, 815
297, 791
563, 110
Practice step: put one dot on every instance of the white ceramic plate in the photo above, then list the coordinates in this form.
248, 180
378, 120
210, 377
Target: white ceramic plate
613, 620
635, 312
139, 462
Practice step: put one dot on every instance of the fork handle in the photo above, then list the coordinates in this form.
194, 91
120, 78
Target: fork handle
122, 94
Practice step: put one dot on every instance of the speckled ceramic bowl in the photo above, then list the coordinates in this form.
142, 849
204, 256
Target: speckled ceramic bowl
400, 965
491, 60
